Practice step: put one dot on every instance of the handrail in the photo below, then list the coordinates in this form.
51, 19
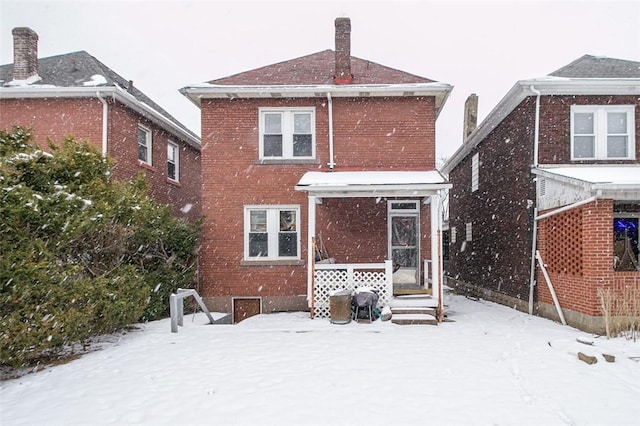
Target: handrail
177, 309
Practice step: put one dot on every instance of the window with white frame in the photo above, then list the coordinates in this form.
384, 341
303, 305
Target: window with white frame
173, 161
454, 235
287, 133
469, 231
604, 132
144, 144
272, 232
475, 173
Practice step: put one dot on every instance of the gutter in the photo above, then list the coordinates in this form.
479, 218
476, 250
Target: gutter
534, 241
105, 123
330, 106
118, 94
568, 207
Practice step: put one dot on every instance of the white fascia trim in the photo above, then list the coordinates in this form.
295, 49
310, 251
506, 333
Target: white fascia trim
547, 86
196, 92
594, 187
117, 93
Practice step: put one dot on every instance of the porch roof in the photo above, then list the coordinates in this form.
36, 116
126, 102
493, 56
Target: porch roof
373, 183
612, 181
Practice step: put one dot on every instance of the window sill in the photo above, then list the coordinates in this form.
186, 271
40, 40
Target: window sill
293, 262
146, 166
287, 161
173, 182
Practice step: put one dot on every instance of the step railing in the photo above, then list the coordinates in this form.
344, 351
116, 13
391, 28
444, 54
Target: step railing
176, 307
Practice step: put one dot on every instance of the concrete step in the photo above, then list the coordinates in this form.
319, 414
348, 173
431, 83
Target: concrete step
414, 319
413, 310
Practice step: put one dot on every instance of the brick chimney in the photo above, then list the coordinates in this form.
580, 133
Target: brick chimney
470, 116
25, 53
343, 51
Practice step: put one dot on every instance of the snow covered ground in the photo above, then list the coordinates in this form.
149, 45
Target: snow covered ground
490, 366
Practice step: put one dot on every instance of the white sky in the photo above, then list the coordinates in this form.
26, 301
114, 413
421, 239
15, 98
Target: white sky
477, 46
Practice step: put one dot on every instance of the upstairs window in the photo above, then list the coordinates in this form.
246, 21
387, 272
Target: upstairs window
602, 132
475, 172
144, 144
173, 161
287, 133
272, 232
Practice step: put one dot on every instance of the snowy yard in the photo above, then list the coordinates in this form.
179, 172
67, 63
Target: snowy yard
491, 366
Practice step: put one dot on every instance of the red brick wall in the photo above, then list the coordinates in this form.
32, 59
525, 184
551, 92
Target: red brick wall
594, 242
369, 134
555, 125
81, 118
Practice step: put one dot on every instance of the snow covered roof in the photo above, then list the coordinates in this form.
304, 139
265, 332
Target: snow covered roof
373, 183
586, 76
79, 74
610, 179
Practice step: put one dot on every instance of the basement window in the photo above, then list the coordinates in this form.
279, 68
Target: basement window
625, 243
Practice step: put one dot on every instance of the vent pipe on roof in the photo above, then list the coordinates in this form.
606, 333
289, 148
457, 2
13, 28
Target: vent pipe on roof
470, 116
343, 51
25, 53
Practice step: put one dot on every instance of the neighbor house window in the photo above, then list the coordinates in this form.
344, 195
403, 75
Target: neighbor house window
173, 161
144, 144
287, 133
602, 132
468, 231
475, 178
625, 243
272, 232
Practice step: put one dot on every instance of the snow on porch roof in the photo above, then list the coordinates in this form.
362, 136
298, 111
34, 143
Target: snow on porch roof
598, 177
373, 183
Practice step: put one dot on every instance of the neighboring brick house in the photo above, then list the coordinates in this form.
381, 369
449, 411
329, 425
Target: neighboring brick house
558, 157
76, 95
326, 150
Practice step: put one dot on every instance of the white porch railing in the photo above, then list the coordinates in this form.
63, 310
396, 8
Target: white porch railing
427, 270
334, 277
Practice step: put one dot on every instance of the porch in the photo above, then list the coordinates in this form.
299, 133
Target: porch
410, 303
406, 192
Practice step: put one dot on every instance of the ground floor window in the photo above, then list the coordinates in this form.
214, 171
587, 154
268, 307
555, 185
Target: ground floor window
625, 243
272, 232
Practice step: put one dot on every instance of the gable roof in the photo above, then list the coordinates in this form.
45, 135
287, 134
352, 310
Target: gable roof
318, 69
78, 74
589, 66
588, 75
312, 76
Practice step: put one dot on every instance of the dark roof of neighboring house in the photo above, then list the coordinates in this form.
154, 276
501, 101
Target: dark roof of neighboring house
319, 68
589, 66
76, 68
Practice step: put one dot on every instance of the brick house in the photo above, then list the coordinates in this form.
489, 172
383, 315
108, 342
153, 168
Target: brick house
553, 170
76, 95
325, 157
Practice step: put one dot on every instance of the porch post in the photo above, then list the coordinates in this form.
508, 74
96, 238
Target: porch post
436, 265
311, 232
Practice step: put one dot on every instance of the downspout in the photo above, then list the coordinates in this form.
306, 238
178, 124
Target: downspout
330, 107
534, 241
105, 123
